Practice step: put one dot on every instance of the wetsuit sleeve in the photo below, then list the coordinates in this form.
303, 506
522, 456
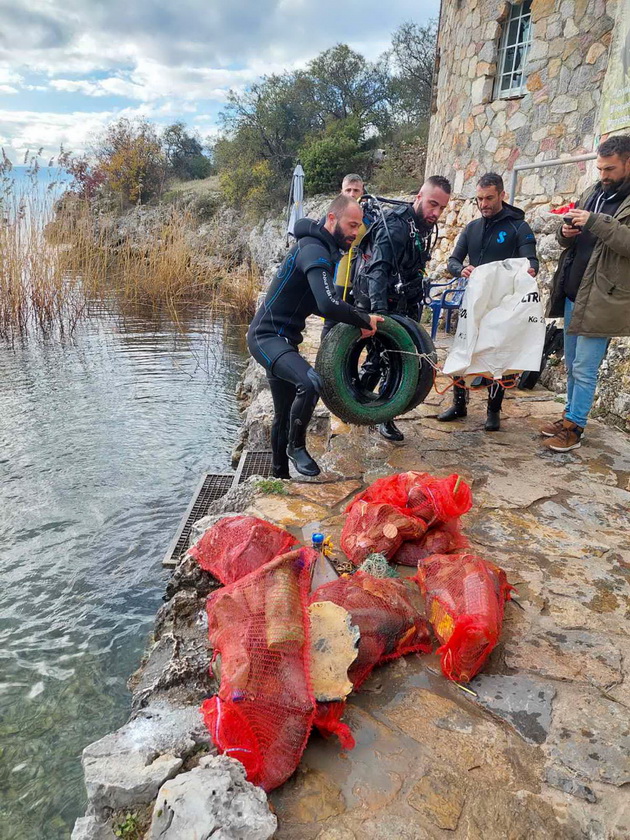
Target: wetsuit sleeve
460, 252
526, 245
611, 231
381, 268
322, 285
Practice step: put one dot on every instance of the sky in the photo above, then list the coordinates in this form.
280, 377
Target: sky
68, 67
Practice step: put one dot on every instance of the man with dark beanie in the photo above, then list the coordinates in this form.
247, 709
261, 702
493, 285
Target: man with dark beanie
500, 234
591, 286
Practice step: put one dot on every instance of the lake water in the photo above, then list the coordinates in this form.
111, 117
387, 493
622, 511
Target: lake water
101, 444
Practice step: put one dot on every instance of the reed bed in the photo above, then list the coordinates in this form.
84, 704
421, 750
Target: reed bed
58, 258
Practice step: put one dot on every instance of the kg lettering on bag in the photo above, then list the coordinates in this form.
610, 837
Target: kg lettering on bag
501, 326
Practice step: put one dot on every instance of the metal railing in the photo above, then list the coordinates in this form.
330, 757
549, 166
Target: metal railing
541, 164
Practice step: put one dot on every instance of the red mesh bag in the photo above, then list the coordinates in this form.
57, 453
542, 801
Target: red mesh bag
265, 707
465, 595
420, 495
237, 545
371, 528
444, 538
388, 613
328, 722
399, 508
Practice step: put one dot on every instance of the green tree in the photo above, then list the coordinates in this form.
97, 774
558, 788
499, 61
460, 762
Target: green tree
327, 158
344, 84
412, 58
184, 153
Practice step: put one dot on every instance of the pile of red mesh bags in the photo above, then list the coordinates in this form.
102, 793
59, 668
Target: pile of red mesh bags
237, 545
258, 627
465, 596
388, 613
406, 507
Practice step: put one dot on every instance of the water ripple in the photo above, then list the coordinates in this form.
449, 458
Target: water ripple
102, 441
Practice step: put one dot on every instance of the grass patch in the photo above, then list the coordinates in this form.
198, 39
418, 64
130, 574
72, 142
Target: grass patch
272, 485
131, 826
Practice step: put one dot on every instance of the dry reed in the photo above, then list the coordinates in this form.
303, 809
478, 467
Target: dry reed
56, 260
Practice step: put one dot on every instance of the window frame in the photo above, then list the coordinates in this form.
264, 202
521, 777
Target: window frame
515, 14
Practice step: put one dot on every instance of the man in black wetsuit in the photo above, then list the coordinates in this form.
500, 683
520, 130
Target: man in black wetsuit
500, 234
303, 285
396, 251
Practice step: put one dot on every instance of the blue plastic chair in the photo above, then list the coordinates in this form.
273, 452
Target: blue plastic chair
449, 301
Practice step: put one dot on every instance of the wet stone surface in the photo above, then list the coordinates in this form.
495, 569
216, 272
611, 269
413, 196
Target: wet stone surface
542, 750
523, 702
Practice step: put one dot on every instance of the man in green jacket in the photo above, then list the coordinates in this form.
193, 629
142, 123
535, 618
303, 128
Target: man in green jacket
591, 286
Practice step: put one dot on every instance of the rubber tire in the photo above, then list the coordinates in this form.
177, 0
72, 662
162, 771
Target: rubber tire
334, 365
425, 346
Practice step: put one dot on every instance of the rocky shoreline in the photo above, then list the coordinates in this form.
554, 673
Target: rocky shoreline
543, 747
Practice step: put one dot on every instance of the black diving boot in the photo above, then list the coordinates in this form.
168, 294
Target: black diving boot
390, 431
496, 393
280, 470
458, 408
297, 452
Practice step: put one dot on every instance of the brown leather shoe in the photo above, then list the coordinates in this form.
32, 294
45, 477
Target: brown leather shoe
569, 437
552, 429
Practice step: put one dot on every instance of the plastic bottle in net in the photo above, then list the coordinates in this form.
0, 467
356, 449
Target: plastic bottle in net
465, 597
264, 710
235, 546
388, 613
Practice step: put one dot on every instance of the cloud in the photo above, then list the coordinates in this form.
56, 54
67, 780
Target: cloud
31, 130
82, 36
163, 58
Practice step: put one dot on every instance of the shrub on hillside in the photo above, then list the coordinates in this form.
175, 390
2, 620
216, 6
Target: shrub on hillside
328, 158
130, 156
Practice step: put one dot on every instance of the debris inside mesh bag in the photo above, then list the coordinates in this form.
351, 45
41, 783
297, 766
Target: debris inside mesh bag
388, 613
237, 545
465, 597
264, 710
288, 652
402, 508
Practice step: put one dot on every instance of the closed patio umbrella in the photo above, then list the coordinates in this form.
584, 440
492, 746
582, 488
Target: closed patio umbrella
296, 198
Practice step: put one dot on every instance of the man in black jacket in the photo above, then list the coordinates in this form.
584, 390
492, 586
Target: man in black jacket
395, 252
303, 285
500, 234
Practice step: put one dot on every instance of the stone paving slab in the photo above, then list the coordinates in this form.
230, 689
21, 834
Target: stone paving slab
542, 749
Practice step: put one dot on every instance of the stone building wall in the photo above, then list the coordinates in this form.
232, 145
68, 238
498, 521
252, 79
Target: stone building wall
473, 132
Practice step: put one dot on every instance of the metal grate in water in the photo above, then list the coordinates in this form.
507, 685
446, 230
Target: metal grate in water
211, 487
253, 462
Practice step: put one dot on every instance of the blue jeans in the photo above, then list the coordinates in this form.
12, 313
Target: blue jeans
582, 356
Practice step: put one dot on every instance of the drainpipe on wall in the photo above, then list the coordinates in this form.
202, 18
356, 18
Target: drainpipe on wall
542, 164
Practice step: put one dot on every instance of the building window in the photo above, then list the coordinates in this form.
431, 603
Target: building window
515, 43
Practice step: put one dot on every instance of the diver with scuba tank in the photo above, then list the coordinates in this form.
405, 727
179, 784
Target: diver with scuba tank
390, 268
